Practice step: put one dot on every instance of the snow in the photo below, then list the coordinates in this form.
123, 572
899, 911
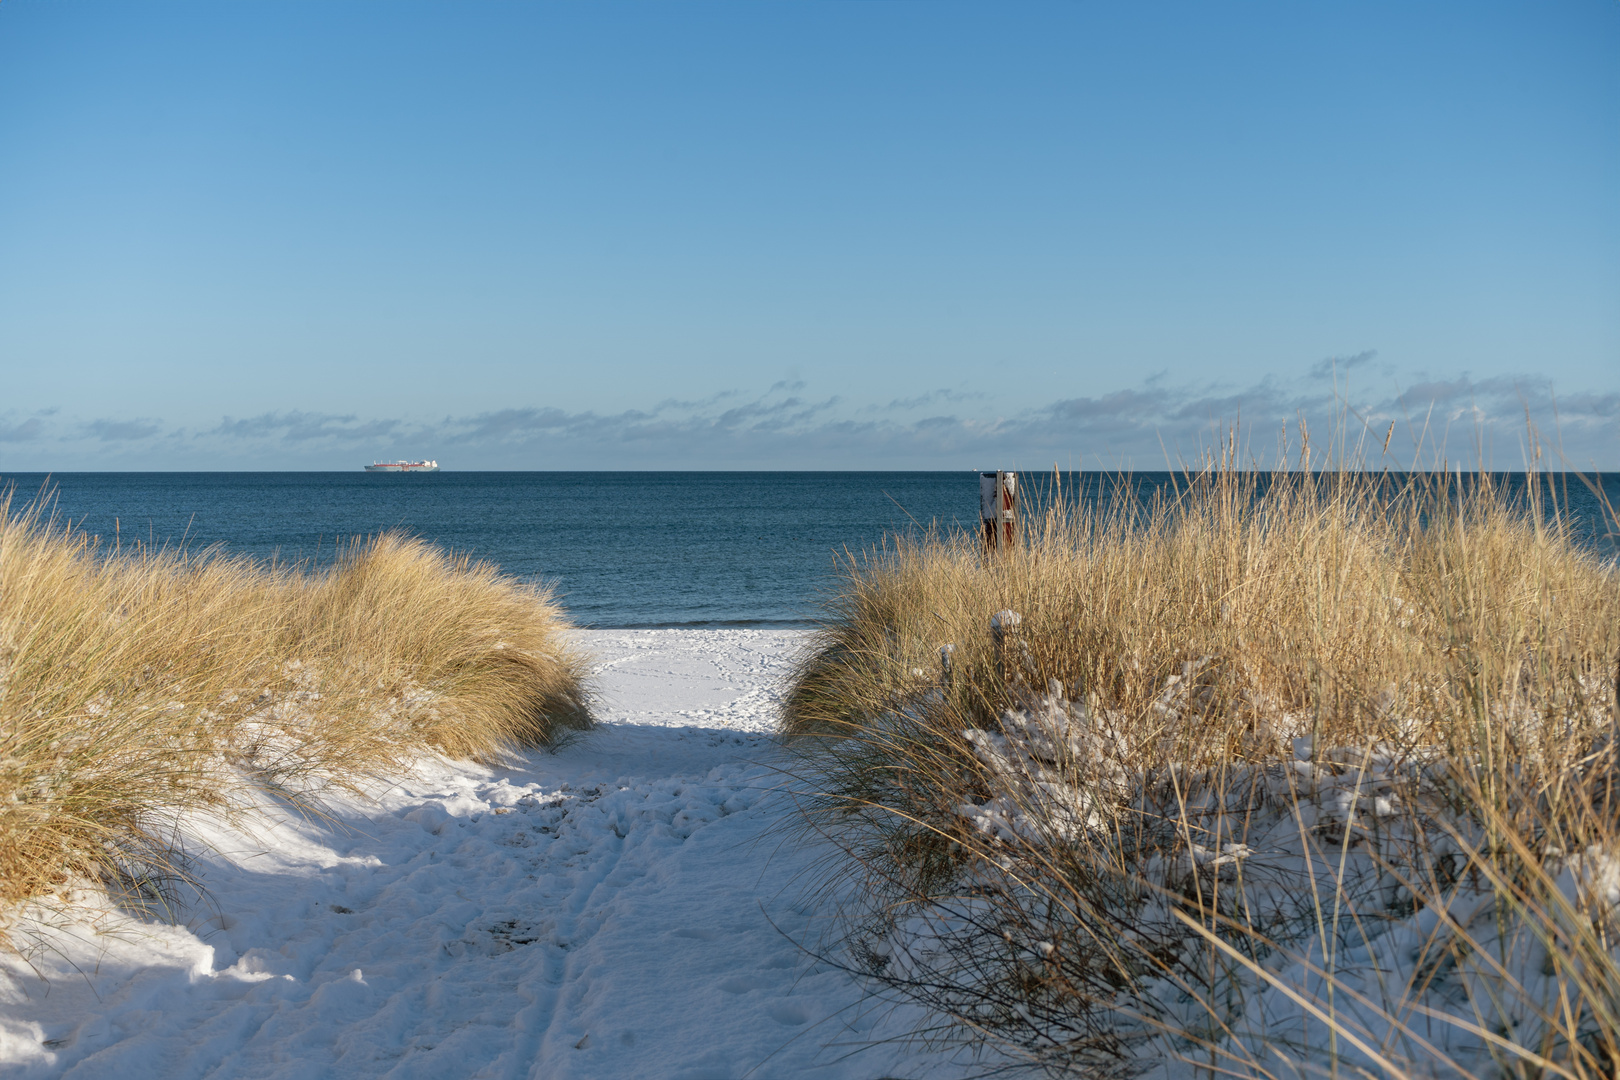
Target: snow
1318, 854
632, 905
638, 904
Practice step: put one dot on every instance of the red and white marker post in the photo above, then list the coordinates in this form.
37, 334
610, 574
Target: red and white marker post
998, 510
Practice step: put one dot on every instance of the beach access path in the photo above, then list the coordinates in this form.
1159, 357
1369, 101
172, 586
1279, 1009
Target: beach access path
633, 905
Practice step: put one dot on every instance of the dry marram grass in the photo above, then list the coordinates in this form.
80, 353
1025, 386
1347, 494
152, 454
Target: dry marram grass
1242, 731
138, 684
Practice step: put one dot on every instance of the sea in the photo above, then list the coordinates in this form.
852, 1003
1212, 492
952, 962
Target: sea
620, 549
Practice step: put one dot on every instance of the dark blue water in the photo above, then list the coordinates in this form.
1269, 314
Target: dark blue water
622, 549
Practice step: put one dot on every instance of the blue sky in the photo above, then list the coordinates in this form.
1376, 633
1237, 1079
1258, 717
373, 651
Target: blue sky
834, 235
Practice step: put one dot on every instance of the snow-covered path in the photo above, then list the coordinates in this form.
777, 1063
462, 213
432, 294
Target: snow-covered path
627, 907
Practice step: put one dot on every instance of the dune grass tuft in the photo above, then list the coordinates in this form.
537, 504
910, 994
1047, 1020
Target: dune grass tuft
1304, 775
139, 684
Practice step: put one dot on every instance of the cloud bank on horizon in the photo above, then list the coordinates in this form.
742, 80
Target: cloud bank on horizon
1461, 420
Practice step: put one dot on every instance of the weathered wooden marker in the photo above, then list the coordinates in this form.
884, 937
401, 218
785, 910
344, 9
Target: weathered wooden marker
1004, 627
998, 509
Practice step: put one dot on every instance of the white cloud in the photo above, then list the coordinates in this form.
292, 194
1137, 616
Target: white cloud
784, 427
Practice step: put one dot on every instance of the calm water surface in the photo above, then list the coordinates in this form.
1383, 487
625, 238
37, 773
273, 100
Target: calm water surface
622, 549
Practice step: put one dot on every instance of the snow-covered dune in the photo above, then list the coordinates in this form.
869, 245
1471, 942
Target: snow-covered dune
627, 907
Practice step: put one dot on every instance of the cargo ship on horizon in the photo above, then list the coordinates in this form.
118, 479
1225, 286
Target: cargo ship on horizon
403, 466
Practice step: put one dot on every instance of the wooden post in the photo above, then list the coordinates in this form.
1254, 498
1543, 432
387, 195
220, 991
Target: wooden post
1004, 627
998, 509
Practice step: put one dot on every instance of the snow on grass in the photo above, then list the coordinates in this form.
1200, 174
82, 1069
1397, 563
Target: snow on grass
627, 906
1331, 912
